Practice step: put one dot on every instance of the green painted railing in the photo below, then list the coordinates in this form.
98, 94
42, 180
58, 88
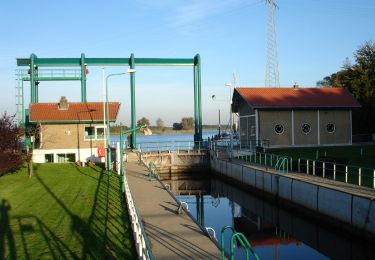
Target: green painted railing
153, 170
240, 237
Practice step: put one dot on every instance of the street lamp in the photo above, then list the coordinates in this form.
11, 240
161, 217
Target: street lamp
109, 166
230, 119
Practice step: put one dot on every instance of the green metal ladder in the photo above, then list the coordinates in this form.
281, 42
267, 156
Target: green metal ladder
240, 237
282, 164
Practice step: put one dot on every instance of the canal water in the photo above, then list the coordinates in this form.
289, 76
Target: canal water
274, 233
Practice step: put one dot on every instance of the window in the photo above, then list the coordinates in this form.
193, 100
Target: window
279, 129
66, 157
48, 157
331, 128
100, 132
95, 133
89, 132
306, 128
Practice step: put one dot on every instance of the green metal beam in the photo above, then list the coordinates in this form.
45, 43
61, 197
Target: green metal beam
83, 78
132, 102
76, 62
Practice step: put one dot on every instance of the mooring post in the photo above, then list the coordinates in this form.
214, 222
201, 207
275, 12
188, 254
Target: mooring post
359, 176
324, 169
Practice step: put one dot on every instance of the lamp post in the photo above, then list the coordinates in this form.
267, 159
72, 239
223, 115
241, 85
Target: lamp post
109, 164
146, 131
230, 120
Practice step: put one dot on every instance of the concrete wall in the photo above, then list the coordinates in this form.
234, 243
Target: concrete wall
67, 136
347, 208
177, 163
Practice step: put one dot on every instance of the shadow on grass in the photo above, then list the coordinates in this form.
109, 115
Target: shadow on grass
104, 235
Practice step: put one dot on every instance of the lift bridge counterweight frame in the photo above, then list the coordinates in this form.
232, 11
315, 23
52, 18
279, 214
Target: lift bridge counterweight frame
35, 76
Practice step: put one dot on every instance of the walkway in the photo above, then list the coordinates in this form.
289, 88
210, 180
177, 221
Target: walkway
171, 236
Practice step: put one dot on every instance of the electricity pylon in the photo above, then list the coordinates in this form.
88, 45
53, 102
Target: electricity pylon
272, 62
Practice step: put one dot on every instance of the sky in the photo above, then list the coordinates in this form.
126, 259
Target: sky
314, 37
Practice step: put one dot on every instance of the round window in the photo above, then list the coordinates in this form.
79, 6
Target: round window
331, 128
279, 129
306, 128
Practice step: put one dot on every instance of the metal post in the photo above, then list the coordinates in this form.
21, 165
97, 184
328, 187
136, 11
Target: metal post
132, 102
83, 78
307, 166
199, 98
299, 165
122, 174
346, 174
324, 169
334, 171
291, 163
359, 176
314, 168
373, 180
196, 120
109, 153
32, 78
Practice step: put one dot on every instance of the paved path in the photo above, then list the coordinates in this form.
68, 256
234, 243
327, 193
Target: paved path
171, 236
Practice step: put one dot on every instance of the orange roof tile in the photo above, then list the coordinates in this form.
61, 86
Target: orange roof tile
76, 112
298, 97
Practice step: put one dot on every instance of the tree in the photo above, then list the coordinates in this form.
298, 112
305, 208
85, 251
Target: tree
359, 79
159, 123
187, 122
177, 126
11, 156
143, 121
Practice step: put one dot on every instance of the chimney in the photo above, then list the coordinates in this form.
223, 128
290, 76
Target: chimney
295, 86
63, 104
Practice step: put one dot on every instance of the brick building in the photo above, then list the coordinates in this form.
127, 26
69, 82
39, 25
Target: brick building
294, 116
70, 131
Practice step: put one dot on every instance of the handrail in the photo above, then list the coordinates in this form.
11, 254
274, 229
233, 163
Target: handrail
282, 164
151, 171
142, 243
213, 231
172, 145
243, 241
222, 240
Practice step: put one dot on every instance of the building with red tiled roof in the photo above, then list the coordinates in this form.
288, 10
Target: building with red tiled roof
70, 131
294, 116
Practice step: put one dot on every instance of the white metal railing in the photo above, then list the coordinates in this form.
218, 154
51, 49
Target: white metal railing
360, 176
171, 146
141, 241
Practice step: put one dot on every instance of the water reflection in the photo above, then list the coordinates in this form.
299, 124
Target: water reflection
274, 232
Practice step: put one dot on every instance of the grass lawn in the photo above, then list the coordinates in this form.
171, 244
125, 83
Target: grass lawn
352, 153
63, 212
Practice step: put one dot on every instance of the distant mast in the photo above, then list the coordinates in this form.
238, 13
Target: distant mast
272, 62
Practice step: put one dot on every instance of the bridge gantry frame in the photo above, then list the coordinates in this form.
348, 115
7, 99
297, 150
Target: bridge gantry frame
35, 76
